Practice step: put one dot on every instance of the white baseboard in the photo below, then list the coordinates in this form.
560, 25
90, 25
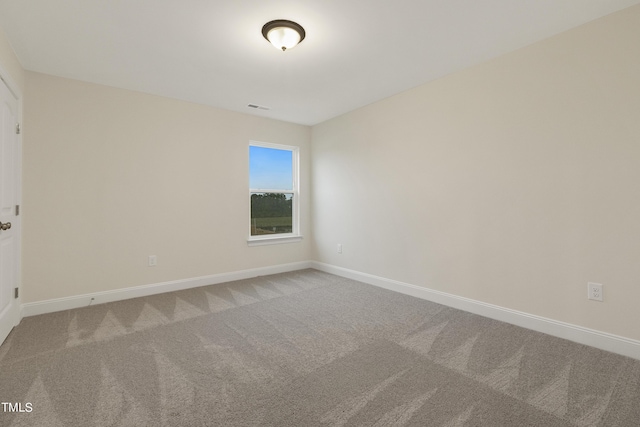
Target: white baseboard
602, 340
60, 304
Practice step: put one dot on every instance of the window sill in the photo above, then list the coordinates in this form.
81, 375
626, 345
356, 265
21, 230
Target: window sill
260, 241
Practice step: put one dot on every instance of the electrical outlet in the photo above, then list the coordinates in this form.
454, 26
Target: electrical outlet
594, 291
153, 260
339, 249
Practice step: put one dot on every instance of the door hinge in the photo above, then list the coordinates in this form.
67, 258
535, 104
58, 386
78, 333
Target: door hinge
17, 128
16, 293
17, 210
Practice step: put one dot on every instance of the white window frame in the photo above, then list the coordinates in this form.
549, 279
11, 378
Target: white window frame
295, 235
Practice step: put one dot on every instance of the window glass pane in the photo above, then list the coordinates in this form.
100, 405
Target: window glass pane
270, 168
271, 213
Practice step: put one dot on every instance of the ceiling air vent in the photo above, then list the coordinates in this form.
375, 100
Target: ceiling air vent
258, 107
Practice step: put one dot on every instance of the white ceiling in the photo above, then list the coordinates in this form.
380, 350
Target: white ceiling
212, 51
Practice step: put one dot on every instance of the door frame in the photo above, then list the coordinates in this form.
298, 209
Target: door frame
8, 81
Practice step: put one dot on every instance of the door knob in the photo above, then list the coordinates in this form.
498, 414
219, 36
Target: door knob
5, 226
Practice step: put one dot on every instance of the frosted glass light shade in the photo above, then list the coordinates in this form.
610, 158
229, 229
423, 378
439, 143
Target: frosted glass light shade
283, 38
283, 34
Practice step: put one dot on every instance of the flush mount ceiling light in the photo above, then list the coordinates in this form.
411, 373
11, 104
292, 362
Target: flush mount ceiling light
283, 34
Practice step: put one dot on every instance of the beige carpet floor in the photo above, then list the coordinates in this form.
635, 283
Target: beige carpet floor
303, 349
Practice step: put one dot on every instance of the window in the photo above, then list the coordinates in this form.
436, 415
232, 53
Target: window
273, 189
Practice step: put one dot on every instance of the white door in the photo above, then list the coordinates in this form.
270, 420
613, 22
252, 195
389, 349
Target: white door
9, 236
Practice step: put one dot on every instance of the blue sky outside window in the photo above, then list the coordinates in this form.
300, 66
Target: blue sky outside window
270, 168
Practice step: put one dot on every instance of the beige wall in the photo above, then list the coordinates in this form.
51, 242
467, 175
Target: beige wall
9, 62
112, 176
514, 182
